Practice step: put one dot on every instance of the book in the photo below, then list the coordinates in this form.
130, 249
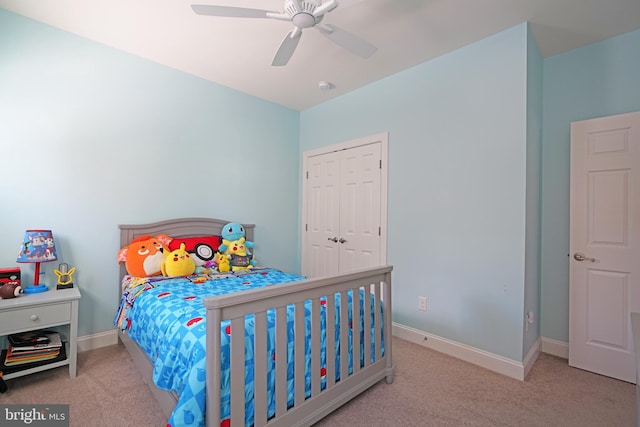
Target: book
7, 369
28, 338
11, 353
23, 359
17, 355
53, 340
32, 349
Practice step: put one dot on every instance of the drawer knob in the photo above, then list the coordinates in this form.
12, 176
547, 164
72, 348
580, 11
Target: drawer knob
34, 317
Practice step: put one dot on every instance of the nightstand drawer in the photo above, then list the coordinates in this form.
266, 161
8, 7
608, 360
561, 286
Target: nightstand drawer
35, 317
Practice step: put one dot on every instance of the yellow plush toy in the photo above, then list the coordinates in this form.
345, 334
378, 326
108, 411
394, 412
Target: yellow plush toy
223, 263
178, 263
237, 254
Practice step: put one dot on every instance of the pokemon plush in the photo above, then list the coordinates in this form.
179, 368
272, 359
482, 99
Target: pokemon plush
238, 256
210, 267
144, 255
232, 232
223, 264
178, 263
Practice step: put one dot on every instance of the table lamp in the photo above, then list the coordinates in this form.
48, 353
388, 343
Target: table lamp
37, 247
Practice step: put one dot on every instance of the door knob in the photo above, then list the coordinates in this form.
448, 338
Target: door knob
342, 240
579, 256
333, 239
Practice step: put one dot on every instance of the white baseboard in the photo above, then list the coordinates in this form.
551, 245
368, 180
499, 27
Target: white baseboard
485, 359
101, 339
555, 348
531, 357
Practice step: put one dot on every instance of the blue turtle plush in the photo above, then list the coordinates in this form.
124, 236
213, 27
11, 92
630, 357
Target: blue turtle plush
232, 232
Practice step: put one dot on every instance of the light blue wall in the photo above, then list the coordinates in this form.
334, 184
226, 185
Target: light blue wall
91, 137
462, 151
534, 170
457, 183
597, 80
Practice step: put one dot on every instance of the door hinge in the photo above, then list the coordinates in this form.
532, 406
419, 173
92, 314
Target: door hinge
306, 227
380, 163
379, 231
307, 174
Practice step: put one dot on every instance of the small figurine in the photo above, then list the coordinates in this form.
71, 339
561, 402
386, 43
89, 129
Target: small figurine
65, 280
10, 290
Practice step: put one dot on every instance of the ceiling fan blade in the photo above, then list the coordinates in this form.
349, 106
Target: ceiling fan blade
287, 47
230, 12
350, 42
349, 3
325, 7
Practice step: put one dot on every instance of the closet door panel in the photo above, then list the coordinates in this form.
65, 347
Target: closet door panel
323, 199
360, 176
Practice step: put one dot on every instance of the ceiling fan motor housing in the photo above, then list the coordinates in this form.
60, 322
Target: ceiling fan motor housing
303, 18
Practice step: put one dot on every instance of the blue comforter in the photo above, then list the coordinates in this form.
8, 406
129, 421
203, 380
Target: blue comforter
167, 319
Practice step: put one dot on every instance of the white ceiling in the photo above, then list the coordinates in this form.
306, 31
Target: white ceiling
237, 52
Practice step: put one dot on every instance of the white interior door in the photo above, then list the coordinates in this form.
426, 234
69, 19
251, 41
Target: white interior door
604, 244
344, 207
323, 220
360, 230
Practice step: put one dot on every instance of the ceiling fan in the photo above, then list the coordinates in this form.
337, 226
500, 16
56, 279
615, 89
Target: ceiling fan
303, 14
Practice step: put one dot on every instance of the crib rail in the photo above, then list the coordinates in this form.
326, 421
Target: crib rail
373, 283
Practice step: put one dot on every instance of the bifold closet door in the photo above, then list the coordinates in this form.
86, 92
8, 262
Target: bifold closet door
343, 193
323, 215
359, 239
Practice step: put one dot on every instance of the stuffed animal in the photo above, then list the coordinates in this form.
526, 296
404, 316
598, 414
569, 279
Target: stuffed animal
239, 258
10, 290
223, 263
178, 263
211, 267
234, 232
144, 255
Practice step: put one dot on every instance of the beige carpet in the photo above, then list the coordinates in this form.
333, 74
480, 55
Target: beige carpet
108, 391
430, 389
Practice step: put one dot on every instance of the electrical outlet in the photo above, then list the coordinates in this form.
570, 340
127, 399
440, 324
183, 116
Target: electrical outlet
422, 303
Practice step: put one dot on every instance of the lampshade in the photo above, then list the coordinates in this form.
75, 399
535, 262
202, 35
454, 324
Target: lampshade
38, 246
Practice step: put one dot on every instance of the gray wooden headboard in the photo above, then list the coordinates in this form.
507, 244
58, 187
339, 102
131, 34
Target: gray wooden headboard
180, 227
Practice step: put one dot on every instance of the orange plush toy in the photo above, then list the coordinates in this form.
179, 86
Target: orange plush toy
144, 256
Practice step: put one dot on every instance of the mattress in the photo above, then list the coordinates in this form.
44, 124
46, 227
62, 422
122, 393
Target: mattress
167, 319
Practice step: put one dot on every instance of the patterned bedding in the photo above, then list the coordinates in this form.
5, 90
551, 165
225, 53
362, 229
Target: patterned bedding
166, 317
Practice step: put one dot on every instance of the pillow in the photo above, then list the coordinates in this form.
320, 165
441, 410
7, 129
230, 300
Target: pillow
144, 255
202, 248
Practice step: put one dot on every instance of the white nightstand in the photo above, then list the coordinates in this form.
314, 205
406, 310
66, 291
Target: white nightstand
40, 311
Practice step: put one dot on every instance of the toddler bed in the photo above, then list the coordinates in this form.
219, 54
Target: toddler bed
242, 381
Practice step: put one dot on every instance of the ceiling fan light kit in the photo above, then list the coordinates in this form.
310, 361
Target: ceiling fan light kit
302, 14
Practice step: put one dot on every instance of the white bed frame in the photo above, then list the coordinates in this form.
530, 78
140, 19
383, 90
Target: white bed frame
374, 281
